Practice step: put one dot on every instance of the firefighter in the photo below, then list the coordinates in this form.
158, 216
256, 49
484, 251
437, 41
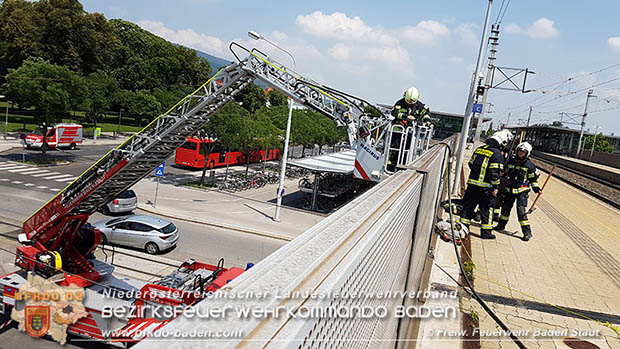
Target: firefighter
521, 174
484, 178
409, 109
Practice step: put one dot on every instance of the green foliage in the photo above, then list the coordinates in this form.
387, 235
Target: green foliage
469, 270
602, 145
113, 61
47, 87
277, 98
100, 91
251, 98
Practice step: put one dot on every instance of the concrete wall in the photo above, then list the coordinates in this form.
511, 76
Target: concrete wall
593, 171
608, 159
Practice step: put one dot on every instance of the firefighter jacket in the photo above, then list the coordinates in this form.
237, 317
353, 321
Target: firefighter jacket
520, 176
485, 166
419, 110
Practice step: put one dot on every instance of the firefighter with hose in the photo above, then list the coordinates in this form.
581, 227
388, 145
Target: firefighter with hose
521, 175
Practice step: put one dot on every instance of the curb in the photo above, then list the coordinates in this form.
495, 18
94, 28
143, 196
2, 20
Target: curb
216, 224
11, 221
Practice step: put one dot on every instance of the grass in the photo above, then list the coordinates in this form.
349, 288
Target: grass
48, 160
30, 125
469, 270
206, 185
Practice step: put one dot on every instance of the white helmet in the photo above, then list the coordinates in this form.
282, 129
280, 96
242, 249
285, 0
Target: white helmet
502, 137
525, 147
412, 95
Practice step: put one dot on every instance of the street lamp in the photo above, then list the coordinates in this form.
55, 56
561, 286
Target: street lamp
120, 117
256, 36
6, 117
594, 141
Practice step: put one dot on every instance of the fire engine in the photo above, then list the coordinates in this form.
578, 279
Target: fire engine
60, 135
57, 242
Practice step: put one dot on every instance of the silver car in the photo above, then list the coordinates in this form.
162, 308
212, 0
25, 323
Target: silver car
126, 202
150, 233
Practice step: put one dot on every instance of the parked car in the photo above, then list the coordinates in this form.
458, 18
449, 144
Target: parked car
152, 234
126, 202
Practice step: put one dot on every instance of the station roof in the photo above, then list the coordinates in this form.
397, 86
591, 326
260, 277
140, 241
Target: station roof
341, 162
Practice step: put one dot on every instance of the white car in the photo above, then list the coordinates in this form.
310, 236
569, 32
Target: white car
152, 234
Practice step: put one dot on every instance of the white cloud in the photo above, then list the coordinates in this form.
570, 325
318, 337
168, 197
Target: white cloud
342, 27
340, 52
185, 37
467, 34
540, 30
426, 32
614, 43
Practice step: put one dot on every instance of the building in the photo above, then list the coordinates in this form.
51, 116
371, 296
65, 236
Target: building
557, 139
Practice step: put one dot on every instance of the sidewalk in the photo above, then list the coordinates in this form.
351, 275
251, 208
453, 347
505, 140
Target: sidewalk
250, 211
571, 262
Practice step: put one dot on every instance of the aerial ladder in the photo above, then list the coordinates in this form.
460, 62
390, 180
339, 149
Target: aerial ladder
58, 231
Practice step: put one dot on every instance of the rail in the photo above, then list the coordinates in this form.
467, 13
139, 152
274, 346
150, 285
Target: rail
374, 245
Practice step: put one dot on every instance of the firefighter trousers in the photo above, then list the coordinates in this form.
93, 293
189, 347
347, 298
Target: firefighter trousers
509, 200
481, 197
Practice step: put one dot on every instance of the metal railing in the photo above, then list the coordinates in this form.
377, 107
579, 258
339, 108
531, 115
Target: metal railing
374, 245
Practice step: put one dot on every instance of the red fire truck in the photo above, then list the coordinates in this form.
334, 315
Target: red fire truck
189, 155
60, 135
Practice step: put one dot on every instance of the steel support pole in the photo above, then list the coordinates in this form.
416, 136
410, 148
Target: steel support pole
583, 123
487, 84
470, 98
276, 216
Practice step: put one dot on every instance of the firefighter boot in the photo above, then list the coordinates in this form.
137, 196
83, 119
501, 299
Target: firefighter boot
500, 226
487, 234
527, 236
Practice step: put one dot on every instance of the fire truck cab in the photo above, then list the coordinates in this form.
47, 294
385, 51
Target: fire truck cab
60, 135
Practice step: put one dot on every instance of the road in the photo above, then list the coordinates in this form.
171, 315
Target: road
26, 188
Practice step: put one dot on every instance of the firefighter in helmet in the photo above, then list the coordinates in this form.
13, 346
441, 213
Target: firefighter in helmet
521, 175
407, 111
484, 178
410, 109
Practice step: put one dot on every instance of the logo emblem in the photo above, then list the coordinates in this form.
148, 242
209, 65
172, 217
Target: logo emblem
37, 320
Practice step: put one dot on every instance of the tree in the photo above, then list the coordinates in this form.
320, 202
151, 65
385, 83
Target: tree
602, 145
277, 98
144, 105
46, 87
101, 90
251, 98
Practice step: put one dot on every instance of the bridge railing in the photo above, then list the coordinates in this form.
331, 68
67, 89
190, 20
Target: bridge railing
295, 298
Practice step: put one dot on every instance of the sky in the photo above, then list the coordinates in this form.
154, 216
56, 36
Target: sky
377, 49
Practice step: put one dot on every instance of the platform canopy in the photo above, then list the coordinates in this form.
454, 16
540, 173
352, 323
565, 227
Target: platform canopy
341, 162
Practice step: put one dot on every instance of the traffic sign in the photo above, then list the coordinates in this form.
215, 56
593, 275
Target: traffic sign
477, 108
159, 170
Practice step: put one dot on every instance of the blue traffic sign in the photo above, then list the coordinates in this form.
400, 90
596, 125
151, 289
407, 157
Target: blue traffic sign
159, 170
477, 108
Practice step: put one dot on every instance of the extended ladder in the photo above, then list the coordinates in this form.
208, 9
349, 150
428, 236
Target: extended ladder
126, 164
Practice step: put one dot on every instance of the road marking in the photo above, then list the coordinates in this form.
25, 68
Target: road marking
45, 174
54, 189
4, 179
11, 167
29, 184
36, 171
41, 187
22, 170
17, 182
66, 179
57, 176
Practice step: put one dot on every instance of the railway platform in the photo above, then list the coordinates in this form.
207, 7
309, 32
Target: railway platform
559, 289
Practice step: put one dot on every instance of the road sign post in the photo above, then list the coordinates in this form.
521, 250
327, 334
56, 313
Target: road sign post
159, 172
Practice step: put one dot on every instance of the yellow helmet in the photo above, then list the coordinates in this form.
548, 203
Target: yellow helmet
411, 95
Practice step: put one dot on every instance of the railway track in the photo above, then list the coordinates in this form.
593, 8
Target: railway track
599, 188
